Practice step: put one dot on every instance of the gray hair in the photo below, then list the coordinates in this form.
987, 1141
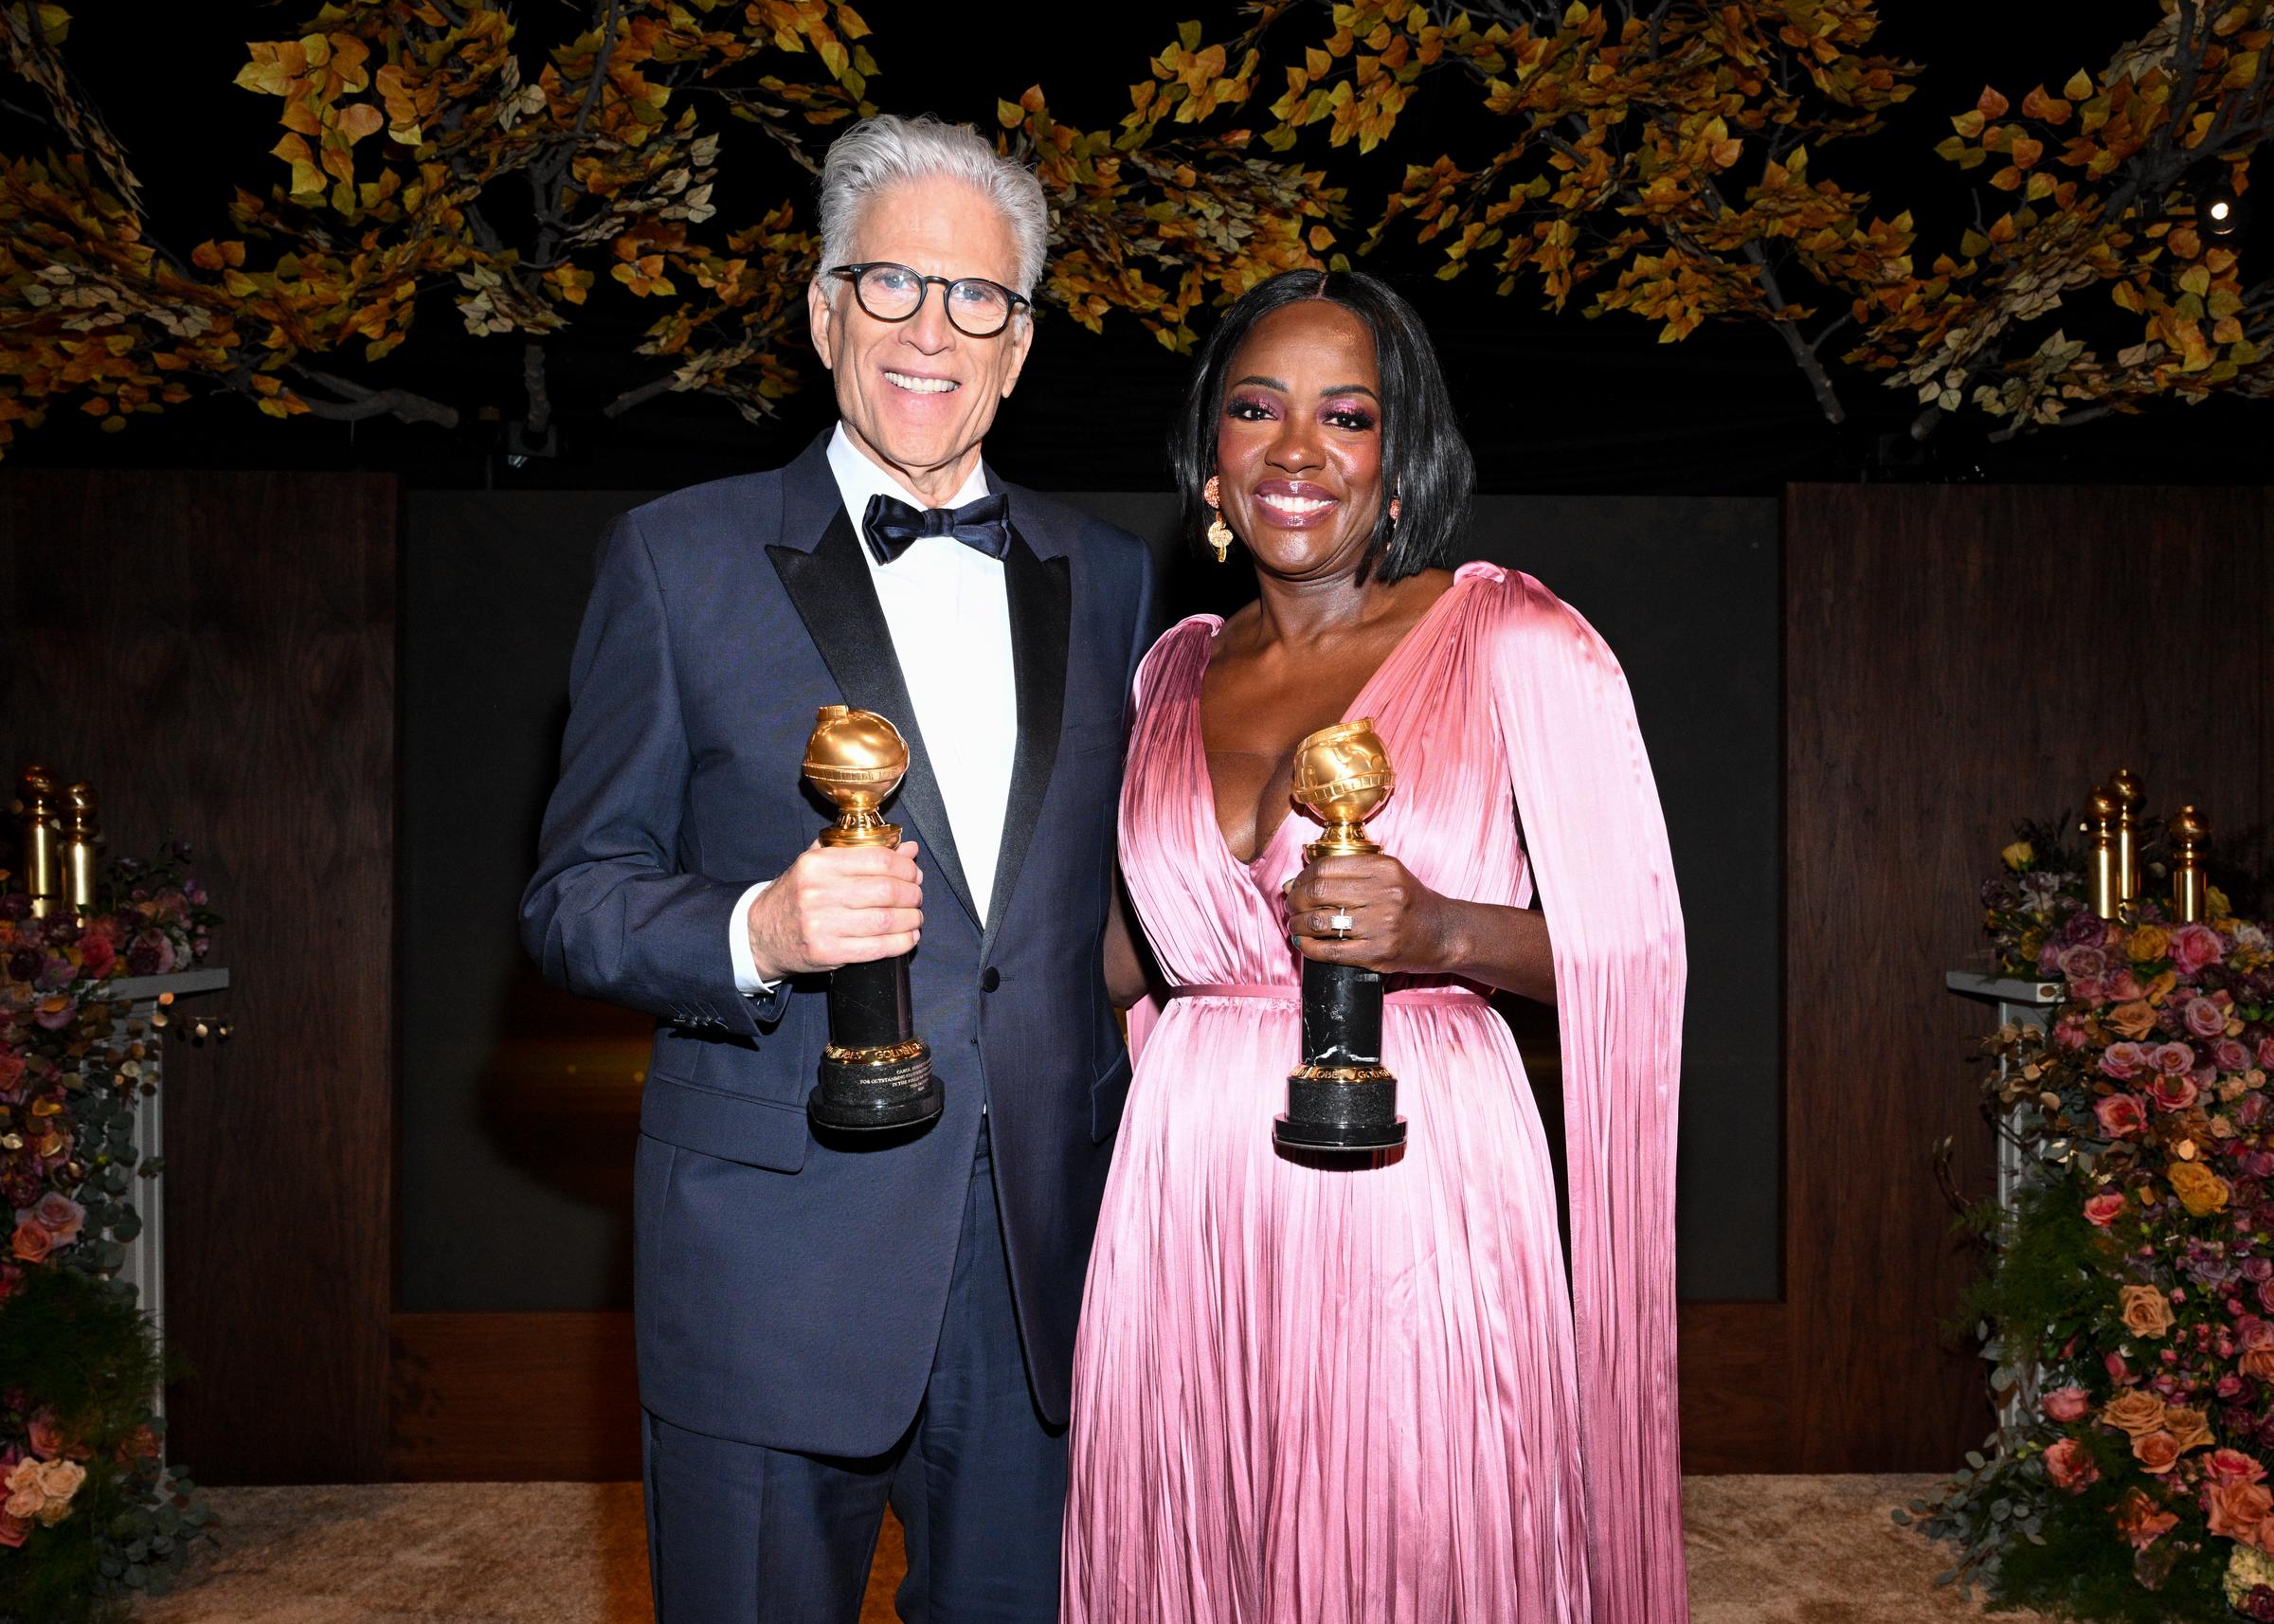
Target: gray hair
887, 151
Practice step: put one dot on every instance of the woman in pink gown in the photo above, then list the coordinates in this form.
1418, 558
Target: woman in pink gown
1308, 1391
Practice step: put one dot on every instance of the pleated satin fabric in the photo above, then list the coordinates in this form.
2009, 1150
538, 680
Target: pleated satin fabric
1306, 1393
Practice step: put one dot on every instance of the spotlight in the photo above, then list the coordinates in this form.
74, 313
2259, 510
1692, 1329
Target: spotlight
2221, 213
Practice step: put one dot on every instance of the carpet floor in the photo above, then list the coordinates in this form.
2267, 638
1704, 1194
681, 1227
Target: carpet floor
1763, 1551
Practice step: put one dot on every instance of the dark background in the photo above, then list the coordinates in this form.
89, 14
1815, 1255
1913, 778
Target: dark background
1552, 402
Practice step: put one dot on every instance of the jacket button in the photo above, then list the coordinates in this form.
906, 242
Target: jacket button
989, 979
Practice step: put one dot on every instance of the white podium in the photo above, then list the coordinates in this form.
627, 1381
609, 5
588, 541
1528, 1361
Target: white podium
144, 1268
2020, 1002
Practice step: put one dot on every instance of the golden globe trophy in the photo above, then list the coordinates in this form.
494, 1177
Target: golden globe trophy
875, 1072
1342, 1097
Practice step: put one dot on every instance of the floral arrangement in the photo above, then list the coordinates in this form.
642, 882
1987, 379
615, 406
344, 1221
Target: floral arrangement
2129, 1306
88, 1513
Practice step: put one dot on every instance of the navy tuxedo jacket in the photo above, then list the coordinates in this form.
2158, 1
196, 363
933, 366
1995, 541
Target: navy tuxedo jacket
789, 1290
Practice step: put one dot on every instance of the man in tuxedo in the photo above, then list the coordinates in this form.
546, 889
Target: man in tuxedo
826, 1324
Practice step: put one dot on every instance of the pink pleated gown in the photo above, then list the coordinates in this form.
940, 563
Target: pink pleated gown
1307, 1394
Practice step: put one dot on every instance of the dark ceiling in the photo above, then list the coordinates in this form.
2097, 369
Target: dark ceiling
1551, 402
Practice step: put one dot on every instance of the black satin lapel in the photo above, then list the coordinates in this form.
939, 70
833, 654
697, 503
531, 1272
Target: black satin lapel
834, 596
1041, 596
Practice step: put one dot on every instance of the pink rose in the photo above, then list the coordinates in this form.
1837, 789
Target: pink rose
140, 1444
59, 1216
2066, 1404
2173, 1060
2205, 1018
2070, 1466
2118, 1372
2196, 946
2120, 1114
2124, 1061
2230, 1057
2083, 964
2069, 1033
2125, 987
2265, 1052
2103, 1210
2231, 1466
2251, 1331
2173, 1093
46, 1436
32, 1241
96, 955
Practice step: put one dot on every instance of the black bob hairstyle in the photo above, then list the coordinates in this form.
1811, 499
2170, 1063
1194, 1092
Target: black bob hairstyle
1425, 462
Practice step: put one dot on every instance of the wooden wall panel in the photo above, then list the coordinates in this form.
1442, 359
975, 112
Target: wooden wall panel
547, 1397
515, 1398
1958, 658
216, 653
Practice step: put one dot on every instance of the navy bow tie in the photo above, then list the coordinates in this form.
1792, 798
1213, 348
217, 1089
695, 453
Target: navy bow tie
891, 525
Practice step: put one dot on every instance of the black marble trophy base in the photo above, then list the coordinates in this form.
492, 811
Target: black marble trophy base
1342, 1097
876, 1073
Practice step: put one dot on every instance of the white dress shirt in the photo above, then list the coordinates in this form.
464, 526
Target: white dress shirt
950, 614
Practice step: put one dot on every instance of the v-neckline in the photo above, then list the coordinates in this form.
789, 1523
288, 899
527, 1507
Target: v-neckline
1355, 708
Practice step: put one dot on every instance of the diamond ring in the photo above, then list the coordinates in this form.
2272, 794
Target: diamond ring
1340, 924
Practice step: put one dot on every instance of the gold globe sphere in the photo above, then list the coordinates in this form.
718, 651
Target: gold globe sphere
1342, 778
857, 758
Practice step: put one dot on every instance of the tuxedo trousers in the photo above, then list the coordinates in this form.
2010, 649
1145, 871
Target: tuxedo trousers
741, 1534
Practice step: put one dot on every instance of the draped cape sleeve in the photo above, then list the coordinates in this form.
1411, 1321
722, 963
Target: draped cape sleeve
1596, 841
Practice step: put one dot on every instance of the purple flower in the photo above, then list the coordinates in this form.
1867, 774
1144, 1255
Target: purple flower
2083, 963
2082, 929
25, 963
2173, 1060
2229, 1056
15, 904
56, 972
2205, 1018
62, 1015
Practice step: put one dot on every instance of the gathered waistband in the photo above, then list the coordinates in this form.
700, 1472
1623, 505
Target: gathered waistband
1289, 992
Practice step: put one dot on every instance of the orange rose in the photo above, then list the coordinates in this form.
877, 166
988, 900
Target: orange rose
2134, 1413
2134, 1020
2238, 1509
2160, 989
2190, 1427
32, 1241
2148, 944
2145, 1312
2200, 1190
2157, 1451
2138, 1520
2259, 1361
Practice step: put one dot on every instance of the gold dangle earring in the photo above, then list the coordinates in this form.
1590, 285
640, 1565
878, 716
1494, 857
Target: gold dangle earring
1219, 533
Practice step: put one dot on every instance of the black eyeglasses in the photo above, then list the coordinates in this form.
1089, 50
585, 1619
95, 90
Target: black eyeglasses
979, 308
